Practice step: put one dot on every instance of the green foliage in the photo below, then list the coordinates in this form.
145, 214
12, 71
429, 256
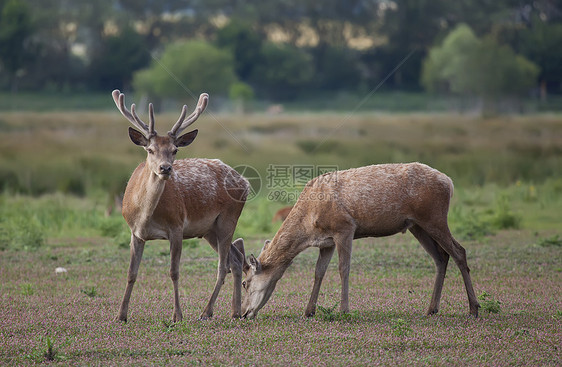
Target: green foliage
190, 243
336, 68
244, 43
329, 314
283, 71
118, 58
20, 233
488, 303
553, 241
27, 234
90, 292
400, 327
255, 218
503, 217
15, 27
111, 226
50, 352
27, 289
241, 91
541, 44
187, 66
468, 225
116, 228
466, 64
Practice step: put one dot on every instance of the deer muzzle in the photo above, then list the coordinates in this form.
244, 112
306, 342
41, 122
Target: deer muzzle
165, 170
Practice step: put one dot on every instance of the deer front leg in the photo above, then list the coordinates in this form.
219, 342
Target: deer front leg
344, 246
175, 254
322, 263
137, 248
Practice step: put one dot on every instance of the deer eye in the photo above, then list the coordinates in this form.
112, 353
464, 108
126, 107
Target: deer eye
244, 284
150, 151
174, 152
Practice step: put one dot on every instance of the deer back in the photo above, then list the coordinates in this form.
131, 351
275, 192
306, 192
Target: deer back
376, 200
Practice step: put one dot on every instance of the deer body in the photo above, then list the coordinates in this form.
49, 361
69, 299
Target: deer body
178, 199
154, 207
373, 201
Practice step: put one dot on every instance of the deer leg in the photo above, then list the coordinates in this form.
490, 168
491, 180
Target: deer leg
175, 255
322, 263
465, 271
441, 259
222, 245
237, 260
344, 245
444, 238
137, 248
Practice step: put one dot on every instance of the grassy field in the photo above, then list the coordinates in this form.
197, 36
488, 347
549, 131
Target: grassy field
59, 171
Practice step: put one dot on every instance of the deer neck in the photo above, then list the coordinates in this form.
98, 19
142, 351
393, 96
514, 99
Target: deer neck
146, 194
289, 241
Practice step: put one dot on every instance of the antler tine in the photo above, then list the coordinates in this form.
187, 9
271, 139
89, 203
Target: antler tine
151, 130
119, 99
179, 122
184, 122
140, 122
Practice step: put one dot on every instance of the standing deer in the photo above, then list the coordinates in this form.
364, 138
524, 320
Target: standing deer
187, 198
373, 201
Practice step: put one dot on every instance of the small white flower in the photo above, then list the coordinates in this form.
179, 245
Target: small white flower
60, 270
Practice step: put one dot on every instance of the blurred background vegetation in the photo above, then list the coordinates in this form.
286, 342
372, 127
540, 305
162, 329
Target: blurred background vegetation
291, 82
492, 56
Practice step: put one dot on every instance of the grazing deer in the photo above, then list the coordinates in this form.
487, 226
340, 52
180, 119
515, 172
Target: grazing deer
176, 199
281, 214
373, 201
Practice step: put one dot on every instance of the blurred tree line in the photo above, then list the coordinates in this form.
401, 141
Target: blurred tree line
282, 50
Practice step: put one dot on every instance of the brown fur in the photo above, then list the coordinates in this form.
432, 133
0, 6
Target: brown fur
177, 199
373, 201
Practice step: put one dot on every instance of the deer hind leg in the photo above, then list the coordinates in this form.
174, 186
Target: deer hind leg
322, 263
344, 245
441, 259
137, 248
175, 255
443, 237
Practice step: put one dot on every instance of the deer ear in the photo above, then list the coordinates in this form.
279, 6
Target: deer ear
137, 137
186, 139
255, 265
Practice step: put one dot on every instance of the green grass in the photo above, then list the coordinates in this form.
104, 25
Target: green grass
69, 318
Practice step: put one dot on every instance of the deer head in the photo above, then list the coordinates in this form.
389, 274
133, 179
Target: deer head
259, 284
161, 150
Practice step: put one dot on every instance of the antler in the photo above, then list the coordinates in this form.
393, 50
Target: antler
184, 122
148, 130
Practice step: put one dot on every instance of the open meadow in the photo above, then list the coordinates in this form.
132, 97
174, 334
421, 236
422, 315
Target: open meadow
60, 171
